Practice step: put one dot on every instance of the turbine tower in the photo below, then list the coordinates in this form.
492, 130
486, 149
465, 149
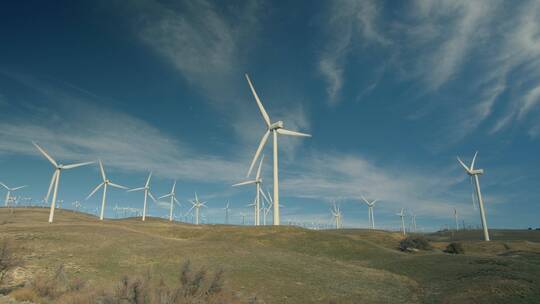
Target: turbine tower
257, 181
456, 219
274, 128
172, 195
56, 178
336, 213
106, 182
474, 173
197, 205
226, 213
370, 211
9, 190
402, 216
147, 193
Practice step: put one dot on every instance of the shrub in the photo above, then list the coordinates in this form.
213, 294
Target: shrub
414, 243
455, 248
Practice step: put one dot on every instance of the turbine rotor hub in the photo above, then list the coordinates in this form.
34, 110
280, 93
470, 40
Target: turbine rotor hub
276, 125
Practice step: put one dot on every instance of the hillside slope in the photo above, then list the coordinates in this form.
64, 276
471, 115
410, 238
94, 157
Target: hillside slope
277, 264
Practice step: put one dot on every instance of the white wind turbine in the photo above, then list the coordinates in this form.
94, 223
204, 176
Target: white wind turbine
172, 195
105, 184
197, 205
456, 219
402, 216
274, 128
9, 190
474, 173
227, 213
336, 213
147, 193
370, 211
268, 207
257, 181
56, 178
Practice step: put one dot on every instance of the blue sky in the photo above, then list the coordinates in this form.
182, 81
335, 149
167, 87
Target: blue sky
391, 93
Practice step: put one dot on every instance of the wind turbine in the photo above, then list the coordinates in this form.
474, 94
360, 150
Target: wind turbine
413, 222
474, 173
268, 207
197, 204
56, 177
257, 181
147, 193
370, 211
106, 183
402, 216
456, 219
9, 190
274, 128
336, 212
172, 195
226, 213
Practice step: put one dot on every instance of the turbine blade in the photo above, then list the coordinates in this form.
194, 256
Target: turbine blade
257, 177
45, 154
292, 133
365, 200
190, 209
94, 191
136, 189
53, 179
7, 188
118, 186
17, 188
463, 165
174, 198
148, 180
245, 183
164, 196
259, 149
473, 160
259, 103
77, 165
102, 171
152, 197
173, 187
263, 195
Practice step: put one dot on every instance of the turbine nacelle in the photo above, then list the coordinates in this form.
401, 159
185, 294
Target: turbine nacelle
276, 125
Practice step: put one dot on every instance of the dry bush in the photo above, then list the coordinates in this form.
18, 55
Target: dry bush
192, 287
455, 248
412, 243
8, 260
25, 294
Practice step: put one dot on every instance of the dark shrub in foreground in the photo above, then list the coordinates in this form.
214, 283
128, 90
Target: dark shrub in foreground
455, 248
414, 243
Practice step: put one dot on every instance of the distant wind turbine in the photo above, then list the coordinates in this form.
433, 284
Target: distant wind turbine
105, 183
274, 128
370, 211
197, 205
474, 173
147, 193
456, 219
172, 195
257, 181
336, 213
56, 177
9, 190
402, 216
227, 213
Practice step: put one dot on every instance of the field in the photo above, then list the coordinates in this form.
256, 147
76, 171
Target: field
281, 264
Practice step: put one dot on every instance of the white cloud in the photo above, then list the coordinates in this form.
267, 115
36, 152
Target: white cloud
203, 40
72, 128
346, 22
337, 176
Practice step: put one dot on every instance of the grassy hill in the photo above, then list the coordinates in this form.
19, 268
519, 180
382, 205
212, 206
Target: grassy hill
281, 264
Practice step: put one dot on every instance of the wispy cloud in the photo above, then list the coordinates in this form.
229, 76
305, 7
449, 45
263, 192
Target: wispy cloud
71, 127
348, 22
204, 41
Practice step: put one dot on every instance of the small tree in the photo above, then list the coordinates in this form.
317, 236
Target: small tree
455, 248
